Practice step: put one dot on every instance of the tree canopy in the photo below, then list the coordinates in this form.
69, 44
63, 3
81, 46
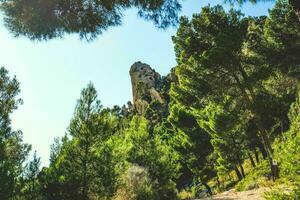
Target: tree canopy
48, 19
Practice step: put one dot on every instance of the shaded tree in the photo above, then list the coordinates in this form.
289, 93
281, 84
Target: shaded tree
192, 143
52, 18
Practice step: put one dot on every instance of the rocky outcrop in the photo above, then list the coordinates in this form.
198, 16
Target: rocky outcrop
146, 84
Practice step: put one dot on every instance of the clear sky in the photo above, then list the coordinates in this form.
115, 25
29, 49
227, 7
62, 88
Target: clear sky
53, 73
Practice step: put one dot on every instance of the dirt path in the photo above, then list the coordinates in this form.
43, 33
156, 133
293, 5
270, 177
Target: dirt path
255, 194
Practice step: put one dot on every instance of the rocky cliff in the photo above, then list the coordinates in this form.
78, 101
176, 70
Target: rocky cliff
146, 86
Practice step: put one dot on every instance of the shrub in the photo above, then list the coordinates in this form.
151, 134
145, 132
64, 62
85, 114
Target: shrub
185, 195
256, 177
136, 185
286, 151
283, 194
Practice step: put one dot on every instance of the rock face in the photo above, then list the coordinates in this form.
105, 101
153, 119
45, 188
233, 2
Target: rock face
145, 86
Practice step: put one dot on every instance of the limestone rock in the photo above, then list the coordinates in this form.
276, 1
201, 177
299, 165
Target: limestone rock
145, 86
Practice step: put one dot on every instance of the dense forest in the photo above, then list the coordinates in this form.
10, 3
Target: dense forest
227, 115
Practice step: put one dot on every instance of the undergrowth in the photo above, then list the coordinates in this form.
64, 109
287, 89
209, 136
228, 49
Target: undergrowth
257, 177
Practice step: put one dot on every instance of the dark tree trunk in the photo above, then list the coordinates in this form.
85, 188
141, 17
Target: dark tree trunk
263, 151
208, 189
269, 150
250, 100
242, 170
256, 156
218, 182
238, 173
251, 159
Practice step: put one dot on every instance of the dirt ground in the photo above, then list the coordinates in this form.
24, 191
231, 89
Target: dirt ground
255, 194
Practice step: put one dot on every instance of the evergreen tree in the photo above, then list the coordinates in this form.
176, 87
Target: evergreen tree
153, 153
13, 151
276, 38
193, 144
213, 62
31, 191
226, 126
52, 18
82, 166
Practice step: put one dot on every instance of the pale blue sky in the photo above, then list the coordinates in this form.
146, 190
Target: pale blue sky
53, 73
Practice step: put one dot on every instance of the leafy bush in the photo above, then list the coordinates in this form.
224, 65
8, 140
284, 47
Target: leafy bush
255, 178
150, 151
136, 186
283, 194
185, 195
286, 151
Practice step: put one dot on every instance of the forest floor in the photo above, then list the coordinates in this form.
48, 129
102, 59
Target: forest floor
255, 194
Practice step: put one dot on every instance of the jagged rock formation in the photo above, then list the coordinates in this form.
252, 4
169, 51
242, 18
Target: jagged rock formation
146, 85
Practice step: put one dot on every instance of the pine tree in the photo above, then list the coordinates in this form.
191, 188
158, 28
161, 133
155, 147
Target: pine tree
13, 151
53, 18
213, 62
32, 185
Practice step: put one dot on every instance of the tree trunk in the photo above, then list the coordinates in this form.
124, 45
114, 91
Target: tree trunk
256, 156
251, 159
262, 132
267, 145
266, 142
218, 182
208, 189
239, 175
242, 170
263, 151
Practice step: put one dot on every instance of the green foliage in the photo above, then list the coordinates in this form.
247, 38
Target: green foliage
280, 40
84, 165
257, 177
188, 136
99, 160
31, 188
52, 18
136, 185
43, 20
287, 148
230, 95
281, 194
286, 153
226, 124
225, 55
185, 195
154, 154
13, 151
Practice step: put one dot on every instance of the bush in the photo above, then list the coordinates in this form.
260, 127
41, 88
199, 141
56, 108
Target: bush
136, 185
286, 152
256, 177
185, 195
283, 194
287, 149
